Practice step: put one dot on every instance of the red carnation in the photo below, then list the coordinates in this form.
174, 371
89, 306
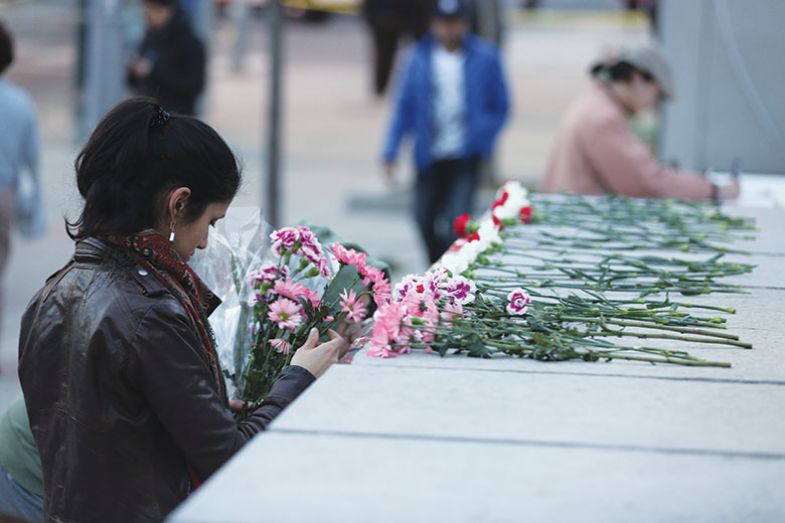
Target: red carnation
461, 222
474, 237
526, 214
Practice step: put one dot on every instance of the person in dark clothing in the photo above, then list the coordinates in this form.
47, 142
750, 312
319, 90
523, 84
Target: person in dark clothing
121, 381
453, 102
389, 21
170, 64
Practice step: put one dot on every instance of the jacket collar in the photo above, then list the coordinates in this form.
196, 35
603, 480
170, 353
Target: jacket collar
91, 250
94, 250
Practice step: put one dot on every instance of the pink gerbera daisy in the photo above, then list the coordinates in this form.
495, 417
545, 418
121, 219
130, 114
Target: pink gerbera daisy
285, 313
353, 307
290, 289
281, 346
348, 256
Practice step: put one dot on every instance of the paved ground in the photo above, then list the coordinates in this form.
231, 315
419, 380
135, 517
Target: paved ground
333, 127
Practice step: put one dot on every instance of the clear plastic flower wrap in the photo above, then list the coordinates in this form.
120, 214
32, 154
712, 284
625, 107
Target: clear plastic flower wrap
238, 243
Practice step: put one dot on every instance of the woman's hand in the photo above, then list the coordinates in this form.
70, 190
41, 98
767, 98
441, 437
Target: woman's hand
236, 405
350, 330
316, 358
730, 191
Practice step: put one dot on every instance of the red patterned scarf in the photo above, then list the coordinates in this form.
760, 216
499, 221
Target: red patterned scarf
155, 253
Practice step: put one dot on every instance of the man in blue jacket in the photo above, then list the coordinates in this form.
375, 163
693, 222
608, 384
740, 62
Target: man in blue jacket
453, 101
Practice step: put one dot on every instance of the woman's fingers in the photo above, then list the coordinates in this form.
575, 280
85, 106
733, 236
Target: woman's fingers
342, 344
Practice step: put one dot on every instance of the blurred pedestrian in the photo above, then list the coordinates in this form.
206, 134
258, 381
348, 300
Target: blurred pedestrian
389, 22
453, 101
596, 151
21, 495
21, 481
170, 62
19, 153
120, 375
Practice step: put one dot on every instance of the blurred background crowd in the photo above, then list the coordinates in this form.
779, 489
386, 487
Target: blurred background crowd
342, 71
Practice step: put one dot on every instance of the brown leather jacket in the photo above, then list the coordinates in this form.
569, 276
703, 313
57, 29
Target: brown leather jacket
120, 395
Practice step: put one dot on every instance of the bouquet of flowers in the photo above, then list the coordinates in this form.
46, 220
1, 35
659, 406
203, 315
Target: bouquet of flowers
302, 286
275, 286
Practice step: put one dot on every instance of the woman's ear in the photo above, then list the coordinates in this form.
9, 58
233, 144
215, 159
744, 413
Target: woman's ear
177, 202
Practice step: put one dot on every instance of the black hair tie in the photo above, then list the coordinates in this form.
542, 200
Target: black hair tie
160, 118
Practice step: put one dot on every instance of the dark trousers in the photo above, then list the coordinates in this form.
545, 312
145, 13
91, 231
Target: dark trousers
443, 192
390, 21
385, 40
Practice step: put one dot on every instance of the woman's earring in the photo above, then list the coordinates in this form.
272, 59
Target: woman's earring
171, 232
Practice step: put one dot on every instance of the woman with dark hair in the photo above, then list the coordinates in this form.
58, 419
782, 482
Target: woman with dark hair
118, 367
596, 151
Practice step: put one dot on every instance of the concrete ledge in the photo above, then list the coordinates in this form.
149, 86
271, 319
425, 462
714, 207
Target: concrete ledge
317, 477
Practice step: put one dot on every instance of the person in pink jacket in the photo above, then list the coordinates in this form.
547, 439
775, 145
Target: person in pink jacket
596, 151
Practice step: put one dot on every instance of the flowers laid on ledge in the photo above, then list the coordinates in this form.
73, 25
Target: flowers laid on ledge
547, 278
504, 287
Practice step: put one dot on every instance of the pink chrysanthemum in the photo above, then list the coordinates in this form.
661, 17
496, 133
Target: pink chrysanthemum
369, 274
422, 306
423, 337
353, 307
281, 346
382, 292
386, 330
452, 311
383, 351
312, 296
290, 289
285, 313
348, 256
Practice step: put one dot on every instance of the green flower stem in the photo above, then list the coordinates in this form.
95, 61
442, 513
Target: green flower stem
524, 351
492, 290
521, 350
639, 288
628, 323
499, 319
646, 335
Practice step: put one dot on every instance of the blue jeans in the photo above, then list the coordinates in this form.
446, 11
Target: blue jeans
17, 501
443, 192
